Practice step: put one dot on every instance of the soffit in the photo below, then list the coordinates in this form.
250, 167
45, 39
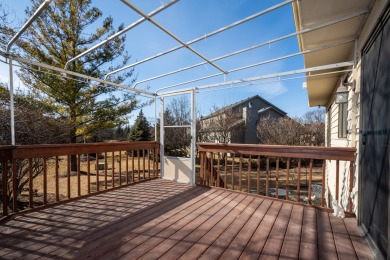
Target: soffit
311, 13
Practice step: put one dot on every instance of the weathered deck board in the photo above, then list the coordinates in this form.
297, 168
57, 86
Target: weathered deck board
213, 234
145, 239
259, 238
308, 247
159, 219
193, 235
275, 239
290, 247
184, 231
325, 240
343, 243
222, 242
359, 244
241, 240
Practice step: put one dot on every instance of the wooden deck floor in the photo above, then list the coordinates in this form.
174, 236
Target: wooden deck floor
167, 220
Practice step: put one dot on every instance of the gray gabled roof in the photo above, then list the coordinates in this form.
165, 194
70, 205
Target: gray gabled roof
220, 111
271, 108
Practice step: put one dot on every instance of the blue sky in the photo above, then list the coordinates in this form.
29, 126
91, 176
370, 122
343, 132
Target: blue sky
190, 19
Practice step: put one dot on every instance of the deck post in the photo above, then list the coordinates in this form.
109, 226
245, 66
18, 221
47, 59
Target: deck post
193, 136
161, 137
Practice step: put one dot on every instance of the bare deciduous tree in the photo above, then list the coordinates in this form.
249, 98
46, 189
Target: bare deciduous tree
33, 126
306, 130
281, 131
177, 139
314, 122
221, 125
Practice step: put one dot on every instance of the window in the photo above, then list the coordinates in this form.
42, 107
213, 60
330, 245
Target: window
343, 116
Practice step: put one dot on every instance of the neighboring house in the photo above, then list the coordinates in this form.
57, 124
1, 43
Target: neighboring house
363, 121
237, 122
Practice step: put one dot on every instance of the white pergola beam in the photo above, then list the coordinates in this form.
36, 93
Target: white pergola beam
40, 9
260, 63
137, 10
205, 36
268, 76
329, 23
49, 67
276, 80
128, 28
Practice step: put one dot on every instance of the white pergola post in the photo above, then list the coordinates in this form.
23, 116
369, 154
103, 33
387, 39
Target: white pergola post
161, 137
11, 100
193, 135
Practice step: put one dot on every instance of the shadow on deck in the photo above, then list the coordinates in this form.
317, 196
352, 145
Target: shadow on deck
168, 220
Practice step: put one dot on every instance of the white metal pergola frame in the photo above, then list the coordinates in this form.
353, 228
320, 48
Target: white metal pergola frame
330, 69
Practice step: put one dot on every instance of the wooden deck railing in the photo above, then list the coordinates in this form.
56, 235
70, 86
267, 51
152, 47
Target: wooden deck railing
38, 175
295, 173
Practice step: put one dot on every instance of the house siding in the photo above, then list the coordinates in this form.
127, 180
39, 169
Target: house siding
353, 126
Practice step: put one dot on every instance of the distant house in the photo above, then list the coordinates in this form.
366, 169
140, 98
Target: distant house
237, 122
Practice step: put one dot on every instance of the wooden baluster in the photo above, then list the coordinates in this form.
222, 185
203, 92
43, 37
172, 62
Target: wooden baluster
323, 183
57, 180
158, 168
78, 176
337, 179
299, 180
207, 173
14, 187
152, 163
233, 158
5, 187
120, 168
105, 171
225, 177
132, 165
201, 168
89, 174
139, 165
143, 164
267, 178
249, 173
287, 178
113, 169
258, 174
44, 181
205, 176
156, 162
350, 186
200, 180
30, 184
310, 178
277, 177
68, 177
127, 167
97, 172
240, 174
212, 177
218, 174
148, 154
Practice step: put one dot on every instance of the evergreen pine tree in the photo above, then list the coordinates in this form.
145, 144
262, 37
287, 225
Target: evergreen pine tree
140, 131
66, 29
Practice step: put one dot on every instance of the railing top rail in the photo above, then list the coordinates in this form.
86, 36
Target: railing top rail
312, 152
48, 150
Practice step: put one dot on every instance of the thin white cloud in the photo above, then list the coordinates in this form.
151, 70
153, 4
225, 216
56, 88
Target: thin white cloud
267, 90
